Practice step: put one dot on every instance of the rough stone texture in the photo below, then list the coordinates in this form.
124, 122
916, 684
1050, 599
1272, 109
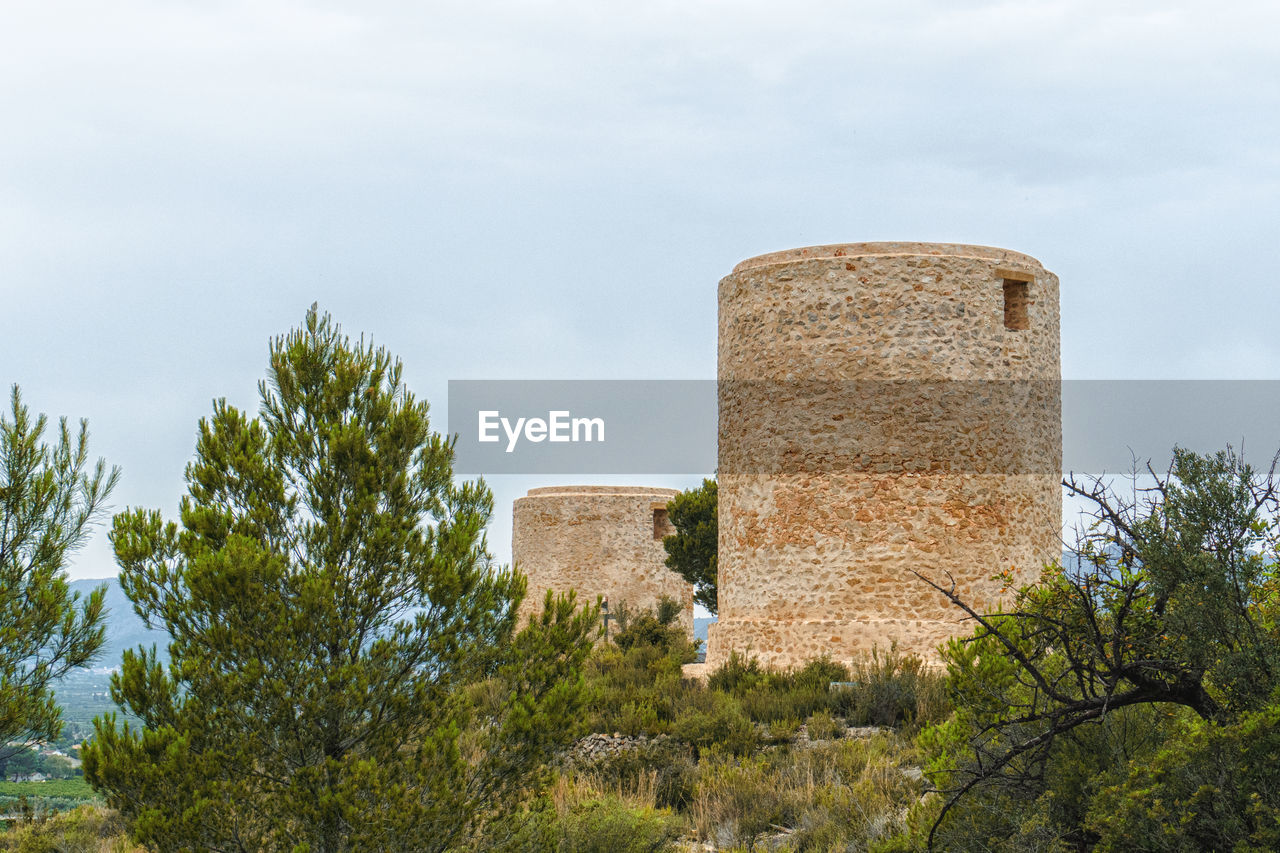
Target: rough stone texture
877, 416
601, 747
599, 540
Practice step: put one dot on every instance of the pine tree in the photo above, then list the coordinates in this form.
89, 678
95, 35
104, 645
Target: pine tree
49, 501
344, 671
691, 550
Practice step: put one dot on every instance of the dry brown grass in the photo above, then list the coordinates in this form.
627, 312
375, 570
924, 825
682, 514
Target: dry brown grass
573, 789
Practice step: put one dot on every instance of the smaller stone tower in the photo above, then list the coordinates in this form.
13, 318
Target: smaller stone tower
603, 541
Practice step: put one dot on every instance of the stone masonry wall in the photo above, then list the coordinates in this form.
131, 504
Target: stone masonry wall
601, 541
884, 407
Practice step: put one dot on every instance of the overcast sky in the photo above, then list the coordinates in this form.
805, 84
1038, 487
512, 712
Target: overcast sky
552, 190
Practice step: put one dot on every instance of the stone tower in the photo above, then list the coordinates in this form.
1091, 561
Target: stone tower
884, 407
600, 540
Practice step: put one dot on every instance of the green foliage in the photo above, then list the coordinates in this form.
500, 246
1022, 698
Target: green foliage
86, 829
657, 630
1050, 814
691, 550
886, 689
776, 700
667, 762
636, 682
20, 763
819, 674
28, 762
344, 669
737, 675
58, 767
784, 730
1211, 787
42, 799
1140, 663
738, 800
892, 689
822, 725
50, 498
718, 724
76, 788
773, 696
600, 824
706, 762
841, 795
607, 825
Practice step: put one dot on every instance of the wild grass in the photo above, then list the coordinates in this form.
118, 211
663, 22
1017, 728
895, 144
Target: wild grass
731, 767
86, 829
840, 795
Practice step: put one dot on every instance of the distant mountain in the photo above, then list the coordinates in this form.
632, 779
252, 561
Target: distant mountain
124, 629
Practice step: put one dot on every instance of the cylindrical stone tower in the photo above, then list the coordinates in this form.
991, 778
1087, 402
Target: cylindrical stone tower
602, 541
884, 408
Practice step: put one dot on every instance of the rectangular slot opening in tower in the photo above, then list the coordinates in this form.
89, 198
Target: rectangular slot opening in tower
661, 524
1017, 296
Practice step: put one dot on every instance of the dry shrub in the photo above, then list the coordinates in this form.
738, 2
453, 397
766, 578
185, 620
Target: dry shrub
668, 760
571, 790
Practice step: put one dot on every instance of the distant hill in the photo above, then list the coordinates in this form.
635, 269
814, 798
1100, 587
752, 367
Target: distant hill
124, 629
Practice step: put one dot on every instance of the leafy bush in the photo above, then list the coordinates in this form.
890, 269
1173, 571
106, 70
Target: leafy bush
1041, 805
784, 730
601, 824
608, 825
1109, 709
833, 796
736, 675
636, 683
657, 629
637, 718
736, 801
776, 698
717, 724
819, 674
87, 829
1210, 788
891, 689
822, 726
769, 696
